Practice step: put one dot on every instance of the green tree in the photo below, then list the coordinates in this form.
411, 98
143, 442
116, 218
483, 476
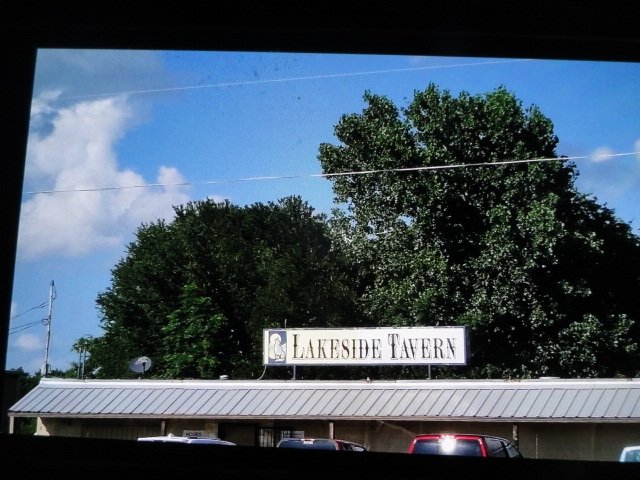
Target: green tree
195, 294
79, 369
451, 229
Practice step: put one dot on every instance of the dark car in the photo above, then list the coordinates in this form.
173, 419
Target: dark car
469, 445
321, 444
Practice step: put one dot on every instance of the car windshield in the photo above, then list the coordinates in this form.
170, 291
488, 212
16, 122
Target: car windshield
465, 447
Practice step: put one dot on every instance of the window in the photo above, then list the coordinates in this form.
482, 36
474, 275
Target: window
495, 447
512, 451
14, 173
269, 437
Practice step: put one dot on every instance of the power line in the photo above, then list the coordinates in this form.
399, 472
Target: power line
42, 305
25, 326
330, 175
293, 79
44, 321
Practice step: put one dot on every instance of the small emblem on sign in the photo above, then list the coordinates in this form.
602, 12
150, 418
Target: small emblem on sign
277, 346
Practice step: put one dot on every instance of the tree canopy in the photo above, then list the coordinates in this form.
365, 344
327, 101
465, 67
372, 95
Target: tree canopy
544, 278
195, 294
453, 210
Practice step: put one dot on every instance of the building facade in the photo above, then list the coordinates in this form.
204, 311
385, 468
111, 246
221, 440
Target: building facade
546, 418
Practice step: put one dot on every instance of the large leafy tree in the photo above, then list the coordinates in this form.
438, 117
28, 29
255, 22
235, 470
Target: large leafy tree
195, 294
451, 227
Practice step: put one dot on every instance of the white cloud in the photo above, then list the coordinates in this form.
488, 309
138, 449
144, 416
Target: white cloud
41, 107
28, 342
602, 154
78, 153
636, 148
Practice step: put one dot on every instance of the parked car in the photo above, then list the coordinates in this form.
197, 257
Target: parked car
178, 439
630, 454
470, 445
321, 444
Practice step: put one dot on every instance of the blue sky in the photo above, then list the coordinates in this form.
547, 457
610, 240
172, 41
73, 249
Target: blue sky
119, 137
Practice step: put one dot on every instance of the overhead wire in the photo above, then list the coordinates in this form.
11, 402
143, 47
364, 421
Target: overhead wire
42, 305
330, 175
25, 326
294, 79
300, 176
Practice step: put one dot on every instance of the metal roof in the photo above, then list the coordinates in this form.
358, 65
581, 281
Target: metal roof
605, 400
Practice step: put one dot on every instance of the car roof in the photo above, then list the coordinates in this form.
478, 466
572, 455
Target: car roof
313, 439
309, 439
445, 434
178, 439
425, 436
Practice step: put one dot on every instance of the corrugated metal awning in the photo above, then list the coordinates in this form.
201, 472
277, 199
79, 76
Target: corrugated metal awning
604, 400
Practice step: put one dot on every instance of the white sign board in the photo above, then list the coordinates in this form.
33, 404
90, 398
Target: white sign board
365, 346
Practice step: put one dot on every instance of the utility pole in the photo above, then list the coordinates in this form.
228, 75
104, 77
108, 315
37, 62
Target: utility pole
52, 297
